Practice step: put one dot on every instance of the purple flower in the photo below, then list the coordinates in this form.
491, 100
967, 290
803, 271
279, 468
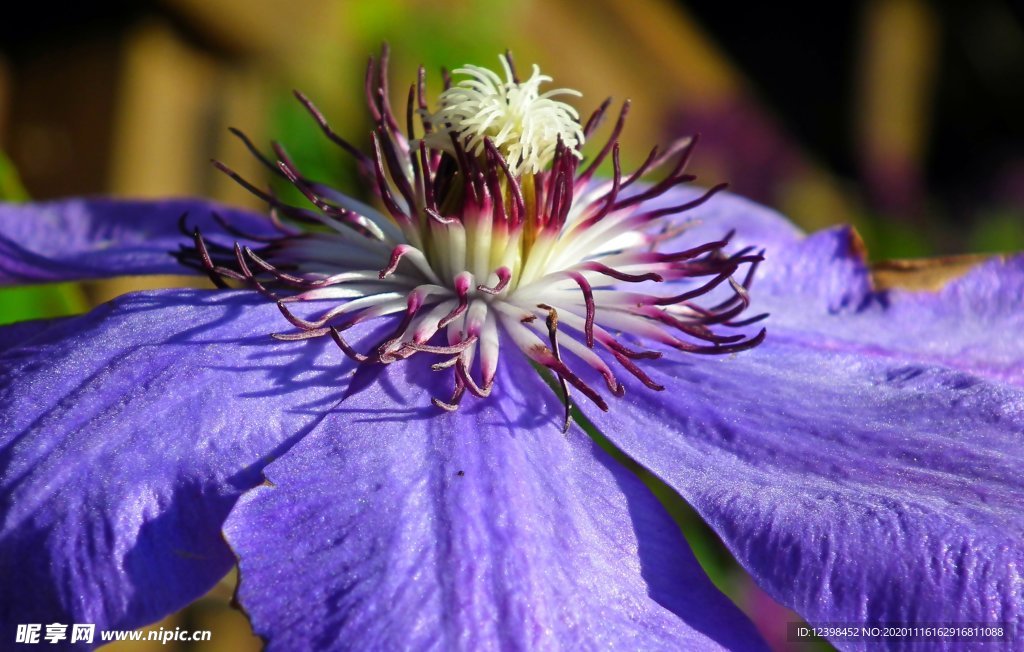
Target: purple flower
388, 468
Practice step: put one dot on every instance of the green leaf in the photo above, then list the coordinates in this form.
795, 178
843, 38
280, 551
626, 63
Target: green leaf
11, 188
41, 302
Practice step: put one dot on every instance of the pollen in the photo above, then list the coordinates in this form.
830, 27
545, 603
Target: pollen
524, 124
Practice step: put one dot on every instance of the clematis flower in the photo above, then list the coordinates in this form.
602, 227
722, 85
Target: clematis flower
356, 414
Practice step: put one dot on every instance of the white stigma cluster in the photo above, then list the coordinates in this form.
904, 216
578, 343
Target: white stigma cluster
524, 124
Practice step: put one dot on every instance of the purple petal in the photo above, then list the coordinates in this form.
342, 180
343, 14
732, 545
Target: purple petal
864, 463
98, 238
395, 526
755, 225
821, 288
12, 335
126, 436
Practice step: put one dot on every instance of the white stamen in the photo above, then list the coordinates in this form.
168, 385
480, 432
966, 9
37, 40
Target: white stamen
523, 124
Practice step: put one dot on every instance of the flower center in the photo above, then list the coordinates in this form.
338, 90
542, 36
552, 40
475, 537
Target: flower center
489, 236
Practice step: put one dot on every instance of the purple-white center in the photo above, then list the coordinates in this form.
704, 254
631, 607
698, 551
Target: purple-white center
492, 222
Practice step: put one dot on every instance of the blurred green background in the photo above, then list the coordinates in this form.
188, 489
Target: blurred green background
902, 117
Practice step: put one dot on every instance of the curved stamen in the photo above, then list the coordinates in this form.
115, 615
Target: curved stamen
601, 268
453, 349
588, 298
552, 324
383, 189
467, 378
682, 208
612, 140
463, 282
513, 182
437, 217
596, 118
674, 178
346, 217
504, 276
414, 256
362, 158
452, 404
204, 257
345, 347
